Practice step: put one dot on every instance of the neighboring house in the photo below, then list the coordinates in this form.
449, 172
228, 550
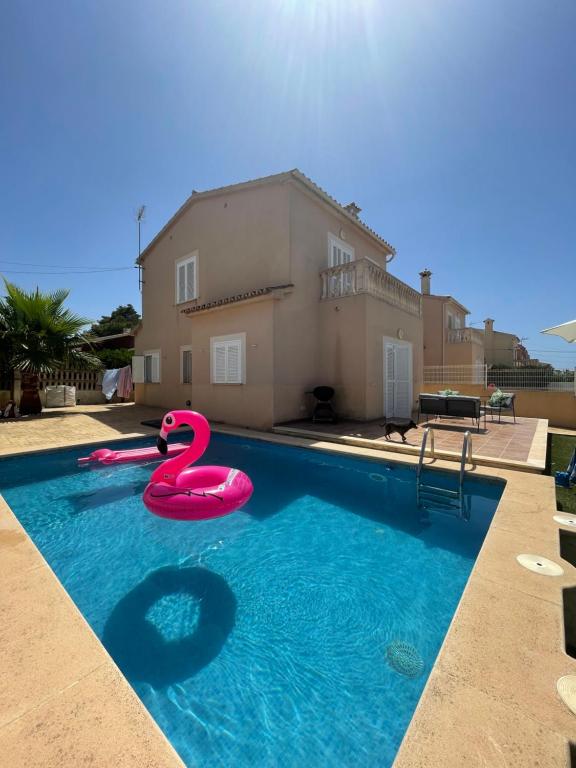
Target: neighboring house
502, 348
255, 293
447, 340
124, 340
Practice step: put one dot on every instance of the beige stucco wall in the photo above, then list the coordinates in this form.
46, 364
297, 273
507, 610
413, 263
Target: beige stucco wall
248, 404
342, 355
464, 353
558, 407
315, 345
433, 319
385, 321
242, 239
242, 243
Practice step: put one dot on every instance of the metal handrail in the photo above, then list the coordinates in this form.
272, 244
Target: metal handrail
466, 456
427, 432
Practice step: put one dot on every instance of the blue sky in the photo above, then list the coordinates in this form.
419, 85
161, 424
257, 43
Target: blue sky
451, 123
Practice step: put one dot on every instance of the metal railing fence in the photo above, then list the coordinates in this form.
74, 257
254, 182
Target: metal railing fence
518, 378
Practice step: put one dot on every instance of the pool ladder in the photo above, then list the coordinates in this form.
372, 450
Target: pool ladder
438, 499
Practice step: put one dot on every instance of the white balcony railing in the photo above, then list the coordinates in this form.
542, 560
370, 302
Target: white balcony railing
364, 276
465, 336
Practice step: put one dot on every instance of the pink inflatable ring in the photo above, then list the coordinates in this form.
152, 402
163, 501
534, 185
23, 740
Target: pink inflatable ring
181, 492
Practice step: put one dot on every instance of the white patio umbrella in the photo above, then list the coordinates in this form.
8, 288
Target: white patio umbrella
566, 331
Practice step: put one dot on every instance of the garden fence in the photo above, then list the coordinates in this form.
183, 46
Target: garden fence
527, 378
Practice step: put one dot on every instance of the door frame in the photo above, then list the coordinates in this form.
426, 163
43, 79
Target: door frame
397, 343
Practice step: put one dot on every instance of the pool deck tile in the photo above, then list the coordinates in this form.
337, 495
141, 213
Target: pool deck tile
18, 552
498, 557
486, 651
472, 730
38, 630
94, 722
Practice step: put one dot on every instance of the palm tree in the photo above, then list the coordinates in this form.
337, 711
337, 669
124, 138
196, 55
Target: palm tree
39, 335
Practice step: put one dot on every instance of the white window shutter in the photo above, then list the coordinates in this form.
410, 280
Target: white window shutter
190, 280
138, 369
181, 282
390, 379
234, 362
155, 369
219, 364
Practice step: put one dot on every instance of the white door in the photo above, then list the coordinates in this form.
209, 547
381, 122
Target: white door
397, 379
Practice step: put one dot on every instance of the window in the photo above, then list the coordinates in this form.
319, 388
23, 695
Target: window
185, 365
339, 254
228, 359
187, 278
152, 367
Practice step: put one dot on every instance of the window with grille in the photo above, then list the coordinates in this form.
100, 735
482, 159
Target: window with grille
187, 278
186, 365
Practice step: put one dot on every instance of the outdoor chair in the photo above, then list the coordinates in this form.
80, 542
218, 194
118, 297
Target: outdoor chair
506, 404
323, 409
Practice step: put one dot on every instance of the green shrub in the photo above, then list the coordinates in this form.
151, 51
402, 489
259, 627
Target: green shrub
114, 358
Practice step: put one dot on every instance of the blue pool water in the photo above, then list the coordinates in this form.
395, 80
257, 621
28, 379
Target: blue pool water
297, 631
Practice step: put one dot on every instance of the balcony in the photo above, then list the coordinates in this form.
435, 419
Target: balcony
364, 276
465, 336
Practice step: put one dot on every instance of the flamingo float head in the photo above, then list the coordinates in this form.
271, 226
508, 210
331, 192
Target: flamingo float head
168, 424
171, 421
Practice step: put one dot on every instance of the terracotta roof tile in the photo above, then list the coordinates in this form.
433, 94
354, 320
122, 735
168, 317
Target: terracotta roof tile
234, 299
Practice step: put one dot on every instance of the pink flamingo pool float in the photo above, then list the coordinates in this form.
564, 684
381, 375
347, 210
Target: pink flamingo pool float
109, 456
181, 492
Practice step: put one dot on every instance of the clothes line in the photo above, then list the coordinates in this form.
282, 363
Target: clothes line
117, 380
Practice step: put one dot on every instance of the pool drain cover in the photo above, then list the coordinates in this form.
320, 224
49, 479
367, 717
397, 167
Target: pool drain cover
565, 520
404, 658
566, 687
541, 565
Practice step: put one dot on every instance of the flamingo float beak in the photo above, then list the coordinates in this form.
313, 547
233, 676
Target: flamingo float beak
162, 442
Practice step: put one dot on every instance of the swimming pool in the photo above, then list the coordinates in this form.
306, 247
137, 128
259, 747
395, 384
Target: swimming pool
298, 631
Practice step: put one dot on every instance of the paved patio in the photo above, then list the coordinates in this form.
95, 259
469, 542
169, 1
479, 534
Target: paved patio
59, 427
508, 442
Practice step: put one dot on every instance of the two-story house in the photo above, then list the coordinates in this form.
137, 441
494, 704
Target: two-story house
255, 293
447, 340
502, 348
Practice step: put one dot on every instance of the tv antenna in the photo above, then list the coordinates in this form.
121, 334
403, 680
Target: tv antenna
139, 219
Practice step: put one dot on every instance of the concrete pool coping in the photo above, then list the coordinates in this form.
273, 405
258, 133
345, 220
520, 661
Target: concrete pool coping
490, 699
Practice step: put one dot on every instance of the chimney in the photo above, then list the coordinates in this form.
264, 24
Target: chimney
425, 282
488, 325
353, 209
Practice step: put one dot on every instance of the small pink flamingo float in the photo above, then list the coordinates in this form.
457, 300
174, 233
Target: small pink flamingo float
181, 492
109, 456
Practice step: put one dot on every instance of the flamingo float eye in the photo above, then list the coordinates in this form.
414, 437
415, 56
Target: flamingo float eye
169, 420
